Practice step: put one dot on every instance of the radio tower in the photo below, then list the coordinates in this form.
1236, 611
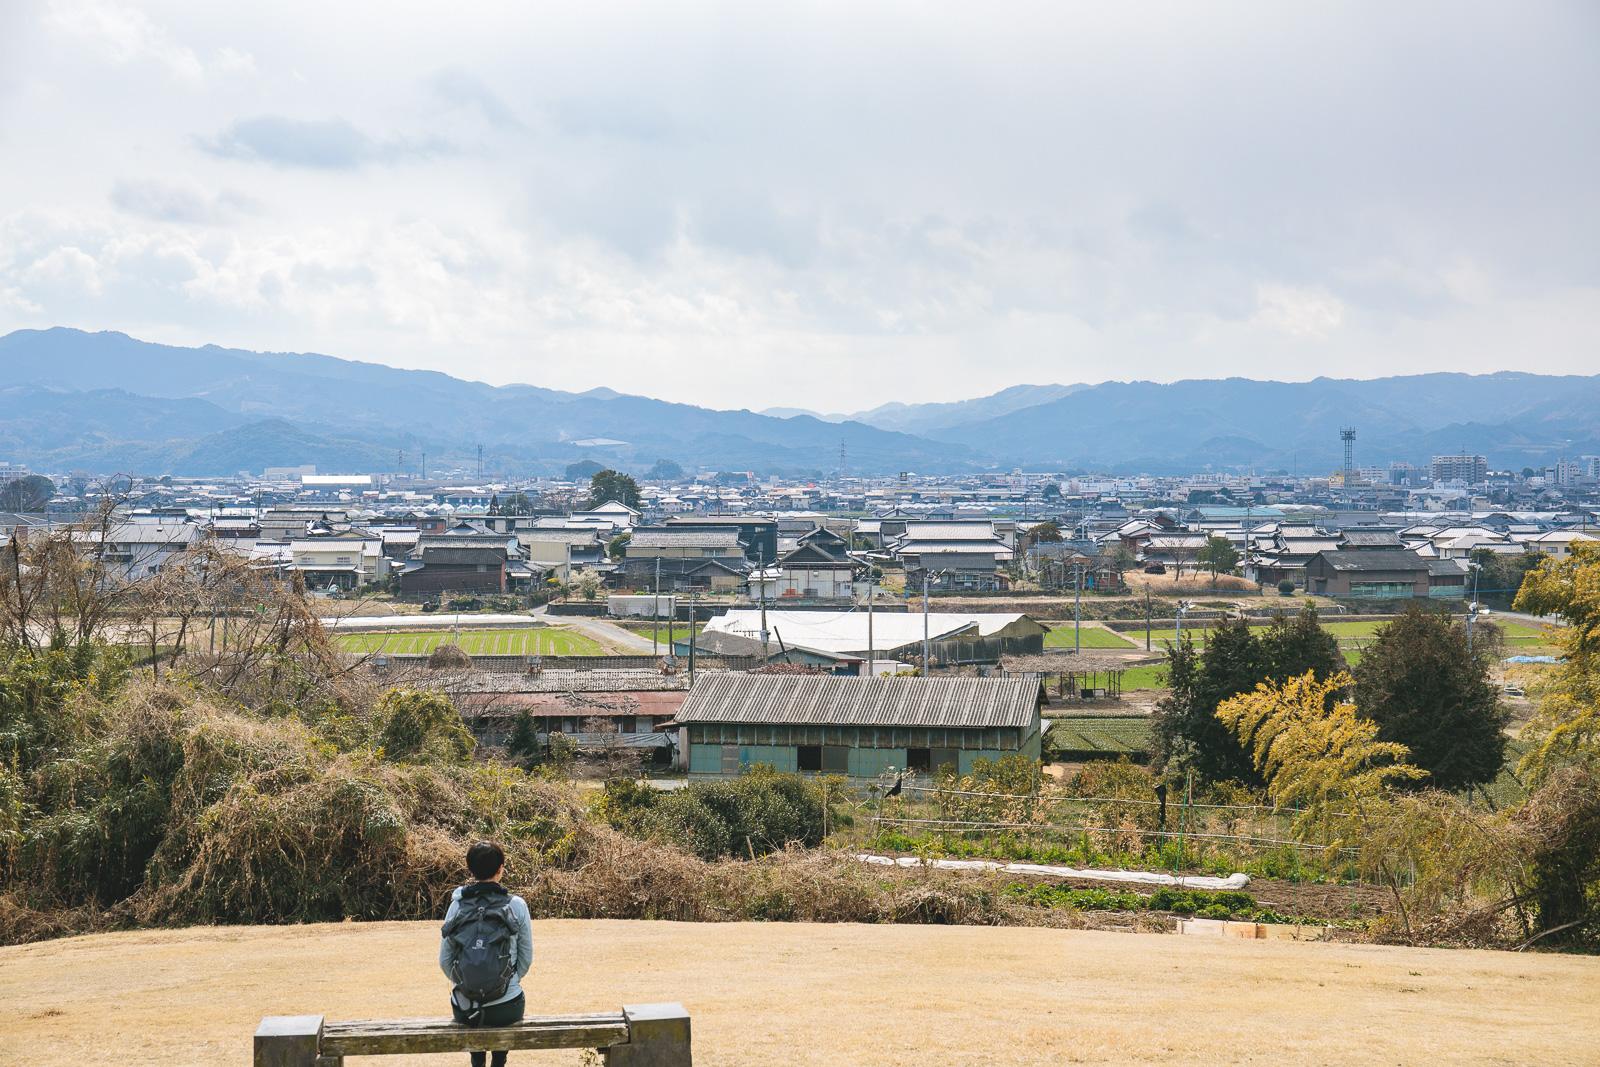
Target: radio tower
1348, 436
841, 459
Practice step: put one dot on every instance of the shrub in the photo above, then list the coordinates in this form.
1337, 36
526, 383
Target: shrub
418, 725
1207, 905
1197, 901
449, 657
759, 812
523, 744
1042, 895
762, 811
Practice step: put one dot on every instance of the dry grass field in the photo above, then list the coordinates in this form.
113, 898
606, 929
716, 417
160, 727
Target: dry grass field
794, 995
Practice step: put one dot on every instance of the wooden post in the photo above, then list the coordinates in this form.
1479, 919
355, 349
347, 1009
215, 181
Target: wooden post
658, 1036
288, 1041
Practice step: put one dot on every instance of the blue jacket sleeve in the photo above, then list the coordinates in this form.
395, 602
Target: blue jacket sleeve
446, 946
524, 939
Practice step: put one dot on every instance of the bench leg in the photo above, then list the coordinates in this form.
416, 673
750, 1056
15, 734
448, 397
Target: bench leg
288, 1041
658, 1036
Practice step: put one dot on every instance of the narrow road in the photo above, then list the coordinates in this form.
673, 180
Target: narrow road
609, 634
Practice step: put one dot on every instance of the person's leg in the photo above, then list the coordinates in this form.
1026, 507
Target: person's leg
459, 1015
503, 1015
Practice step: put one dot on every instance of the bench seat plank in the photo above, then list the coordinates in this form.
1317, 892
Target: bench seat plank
379, 1037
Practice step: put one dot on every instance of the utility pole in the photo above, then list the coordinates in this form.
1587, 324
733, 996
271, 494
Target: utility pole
1474, 609
1147, 618
1077, 611
872, 654
694, 604
655, 613
761, 587
927, 656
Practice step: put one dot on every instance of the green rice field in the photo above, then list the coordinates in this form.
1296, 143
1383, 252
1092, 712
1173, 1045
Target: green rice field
1061, 634
520, 641
680, 632
1149, 676
1519, 636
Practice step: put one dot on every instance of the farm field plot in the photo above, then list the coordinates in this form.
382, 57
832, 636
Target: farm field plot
1519, 636
1061, 635
1147, 676
528, 641
890, 996
1092, 733
678, 633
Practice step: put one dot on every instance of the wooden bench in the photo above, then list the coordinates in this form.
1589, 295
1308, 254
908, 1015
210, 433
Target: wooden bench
640, 1035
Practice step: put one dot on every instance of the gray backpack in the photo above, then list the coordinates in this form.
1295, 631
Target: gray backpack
484, 936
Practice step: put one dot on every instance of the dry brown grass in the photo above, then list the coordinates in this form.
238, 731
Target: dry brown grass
1189, 585
830, 995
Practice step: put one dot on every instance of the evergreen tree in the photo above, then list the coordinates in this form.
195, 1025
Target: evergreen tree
664, 470
516, 504
1426, 691
1218, 556
608, 485
523, 744
1185, 724
28, 493
1295, 646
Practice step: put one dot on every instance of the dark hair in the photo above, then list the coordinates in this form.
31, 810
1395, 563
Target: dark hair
484, 859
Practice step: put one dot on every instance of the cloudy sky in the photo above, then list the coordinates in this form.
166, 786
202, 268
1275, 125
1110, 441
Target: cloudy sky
818, 205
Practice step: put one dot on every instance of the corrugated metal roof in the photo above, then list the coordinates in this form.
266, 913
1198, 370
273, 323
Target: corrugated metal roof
1374, 559
589, 535
970, 703
711, 537
153, 533
577, 702
1372, 538
845, 632
565, 680
932, 547
950, 530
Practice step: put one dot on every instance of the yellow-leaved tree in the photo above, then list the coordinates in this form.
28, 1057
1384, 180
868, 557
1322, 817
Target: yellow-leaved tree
1322, 759
1565, 730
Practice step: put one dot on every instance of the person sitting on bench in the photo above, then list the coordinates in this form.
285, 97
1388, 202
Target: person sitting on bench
486, 947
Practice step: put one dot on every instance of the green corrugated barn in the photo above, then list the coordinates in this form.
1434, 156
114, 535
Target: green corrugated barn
859, 727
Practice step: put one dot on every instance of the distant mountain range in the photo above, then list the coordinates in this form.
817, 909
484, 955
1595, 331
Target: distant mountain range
105, 402
922, 418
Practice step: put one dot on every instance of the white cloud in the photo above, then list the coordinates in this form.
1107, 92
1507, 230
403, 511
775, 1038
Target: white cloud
178, 202
887, 203
125, 34
327, 144
67, 270
1298, 312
